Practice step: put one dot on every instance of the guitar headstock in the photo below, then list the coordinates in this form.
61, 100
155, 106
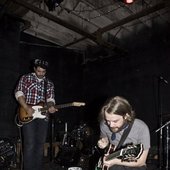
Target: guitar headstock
78, 104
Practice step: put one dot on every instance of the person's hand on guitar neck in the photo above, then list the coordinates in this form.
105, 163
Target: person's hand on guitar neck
51, 107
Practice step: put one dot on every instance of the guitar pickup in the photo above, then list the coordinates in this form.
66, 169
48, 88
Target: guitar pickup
27, 118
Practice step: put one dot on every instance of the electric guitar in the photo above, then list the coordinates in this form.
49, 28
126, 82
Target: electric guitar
40, 112
129, 153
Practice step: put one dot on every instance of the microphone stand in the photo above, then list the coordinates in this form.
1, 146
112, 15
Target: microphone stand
160, 124
167, 142
167, 147
160, 80
166, 124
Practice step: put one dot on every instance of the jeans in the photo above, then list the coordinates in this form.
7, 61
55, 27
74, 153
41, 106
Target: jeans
33, 139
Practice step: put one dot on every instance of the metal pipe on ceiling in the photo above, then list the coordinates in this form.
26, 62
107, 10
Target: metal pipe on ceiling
54, 18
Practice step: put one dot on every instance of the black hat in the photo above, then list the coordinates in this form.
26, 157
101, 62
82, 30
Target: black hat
41, 63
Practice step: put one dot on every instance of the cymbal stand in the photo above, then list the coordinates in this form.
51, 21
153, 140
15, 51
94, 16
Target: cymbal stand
65, 142
167, 142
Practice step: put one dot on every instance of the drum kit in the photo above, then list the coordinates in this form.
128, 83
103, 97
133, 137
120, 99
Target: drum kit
72, 146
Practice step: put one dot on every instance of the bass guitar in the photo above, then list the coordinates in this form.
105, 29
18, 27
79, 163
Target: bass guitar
40, 112
129, 153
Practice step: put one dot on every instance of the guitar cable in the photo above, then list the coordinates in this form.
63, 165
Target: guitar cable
17, 122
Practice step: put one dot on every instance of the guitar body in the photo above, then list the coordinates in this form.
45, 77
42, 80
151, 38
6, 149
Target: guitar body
129, 153
23, 115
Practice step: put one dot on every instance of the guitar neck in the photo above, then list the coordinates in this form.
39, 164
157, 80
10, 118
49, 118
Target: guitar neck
60, 106
113, 155
44, 109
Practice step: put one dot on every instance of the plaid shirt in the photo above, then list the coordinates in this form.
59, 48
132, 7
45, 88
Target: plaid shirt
33, 89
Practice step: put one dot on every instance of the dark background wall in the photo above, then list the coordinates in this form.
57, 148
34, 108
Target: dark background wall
135, 76
9, 71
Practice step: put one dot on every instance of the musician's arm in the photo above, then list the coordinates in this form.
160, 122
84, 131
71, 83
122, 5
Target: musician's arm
51, 99
21, 100
140, 162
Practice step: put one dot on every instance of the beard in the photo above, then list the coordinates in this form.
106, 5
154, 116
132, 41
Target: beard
40, 76
117, 129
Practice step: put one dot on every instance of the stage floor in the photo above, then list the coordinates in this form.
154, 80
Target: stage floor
54, 165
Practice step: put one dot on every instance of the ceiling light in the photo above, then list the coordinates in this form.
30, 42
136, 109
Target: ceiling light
128, 1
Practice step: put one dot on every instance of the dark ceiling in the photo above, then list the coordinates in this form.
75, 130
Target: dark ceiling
80, 24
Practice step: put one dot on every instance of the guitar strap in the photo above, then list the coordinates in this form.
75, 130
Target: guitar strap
124, 135
45, 91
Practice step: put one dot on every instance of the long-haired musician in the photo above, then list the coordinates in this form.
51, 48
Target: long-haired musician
116, 117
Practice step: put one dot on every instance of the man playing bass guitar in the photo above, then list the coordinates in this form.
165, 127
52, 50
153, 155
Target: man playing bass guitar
115, 117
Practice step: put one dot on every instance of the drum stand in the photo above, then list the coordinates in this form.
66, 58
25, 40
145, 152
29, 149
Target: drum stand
167, 142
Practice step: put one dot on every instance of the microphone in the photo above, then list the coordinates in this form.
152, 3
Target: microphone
164, 80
